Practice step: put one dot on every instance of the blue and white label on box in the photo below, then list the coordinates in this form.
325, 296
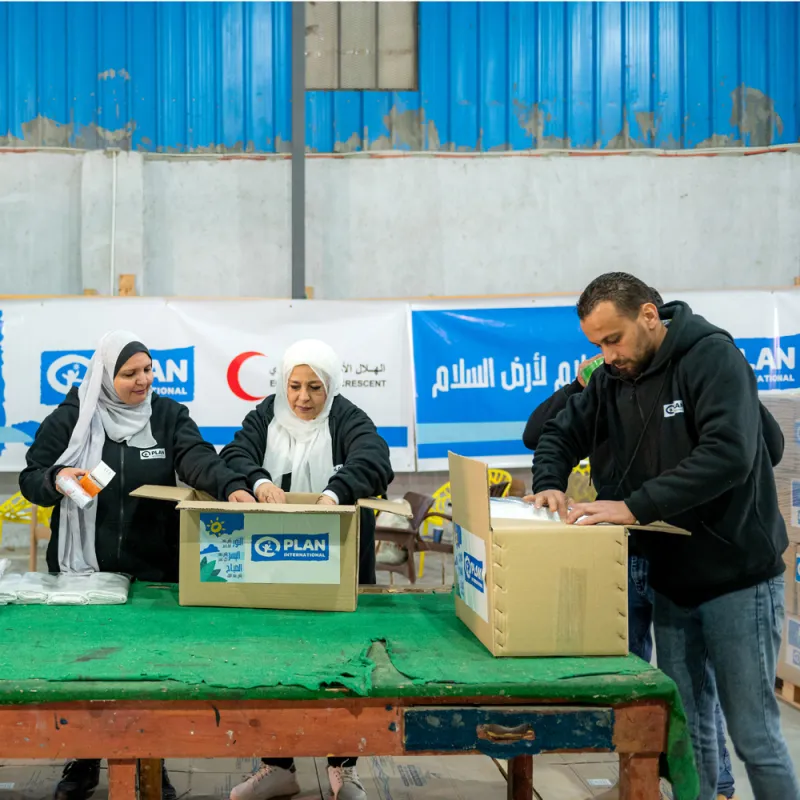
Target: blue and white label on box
793, 642
270, 548
470, 568
796, 504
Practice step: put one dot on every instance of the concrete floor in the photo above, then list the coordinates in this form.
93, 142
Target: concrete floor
438, 570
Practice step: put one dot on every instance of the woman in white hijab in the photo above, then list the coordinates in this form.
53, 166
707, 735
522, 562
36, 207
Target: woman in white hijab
115, 417
308, 438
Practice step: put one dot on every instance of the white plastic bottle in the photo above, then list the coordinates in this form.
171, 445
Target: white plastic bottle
72, 489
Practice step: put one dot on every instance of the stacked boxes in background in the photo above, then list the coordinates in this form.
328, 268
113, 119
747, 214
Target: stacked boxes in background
785, 407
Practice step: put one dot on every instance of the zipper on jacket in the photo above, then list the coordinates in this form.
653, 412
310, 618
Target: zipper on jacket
121, 485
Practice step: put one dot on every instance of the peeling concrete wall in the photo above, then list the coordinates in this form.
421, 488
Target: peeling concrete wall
217, 228
504, 225
398, 227
40, 223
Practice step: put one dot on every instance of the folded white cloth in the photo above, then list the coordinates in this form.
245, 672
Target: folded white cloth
8, 588
95, 589
34, 588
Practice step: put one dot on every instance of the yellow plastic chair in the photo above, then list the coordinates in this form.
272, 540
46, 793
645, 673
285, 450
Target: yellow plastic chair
17, 510
442, 500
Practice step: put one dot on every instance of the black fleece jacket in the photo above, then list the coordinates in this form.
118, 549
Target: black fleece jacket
135, 536
687, 445
601, 459
360, 455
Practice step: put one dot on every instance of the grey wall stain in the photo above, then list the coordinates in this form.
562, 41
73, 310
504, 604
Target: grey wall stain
93, 137
717, 141
623, 140
40, 132
754, 114
646, 120
44, 132
351, 145
532, 120
405, 127
434, 142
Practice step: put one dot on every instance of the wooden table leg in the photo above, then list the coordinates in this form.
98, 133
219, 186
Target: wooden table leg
520, 778
150, 779
638, 777
122, 779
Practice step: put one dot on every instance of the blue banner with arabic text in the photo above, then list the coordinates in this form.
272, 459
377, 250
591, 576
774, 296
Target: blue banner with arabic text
479, 373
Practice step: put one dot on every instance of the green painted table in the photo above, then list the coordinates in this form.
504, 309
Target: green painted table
402, 675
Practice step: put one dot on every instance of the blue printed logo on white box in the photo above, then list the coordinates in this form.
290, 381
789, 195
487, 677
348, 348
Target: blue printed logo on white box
470, 568
290, 547
270, 548
796, 504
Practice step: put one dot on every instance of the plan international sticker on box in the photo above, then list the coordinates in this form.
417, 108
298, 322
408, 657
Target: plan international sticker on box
269, 548
296, 555
470, 568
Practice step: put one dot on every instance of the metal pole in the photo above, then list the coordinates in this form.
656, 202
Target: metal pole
298, 150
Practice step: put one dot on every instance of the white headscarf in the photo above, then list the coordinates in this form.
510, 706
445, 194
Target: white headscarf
298, 446
102, 414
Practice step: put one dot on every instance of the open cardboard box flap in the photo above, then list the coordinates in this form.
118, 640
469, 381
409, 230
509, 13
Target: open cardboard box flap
192, 499
469, 486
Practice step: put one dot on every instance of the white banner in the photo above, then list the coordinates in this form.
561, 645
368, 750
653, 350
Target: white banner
479, 367
218, 357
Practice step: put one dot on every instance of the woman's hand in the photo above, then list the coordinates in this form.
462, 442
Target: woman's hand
270, 493
240, 496
70, 472
326, 500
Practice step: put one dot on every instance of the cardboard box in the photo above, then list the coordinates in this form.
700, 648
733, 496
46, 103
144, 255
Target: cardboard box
789, 656
527, 588
792, 578
785, 407
297, 555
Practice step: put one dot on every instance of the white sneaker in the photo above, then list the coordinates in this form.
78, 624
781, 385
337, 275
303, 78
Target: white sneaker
267, 782
345, 784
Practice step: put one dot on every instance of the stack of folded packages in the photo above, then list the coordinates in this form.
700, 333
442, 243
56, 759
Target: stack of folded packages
36, 588
785, 407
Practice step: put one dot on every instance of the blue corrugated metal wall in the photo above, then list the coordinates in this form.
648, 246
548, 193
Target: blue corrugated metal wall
175, 77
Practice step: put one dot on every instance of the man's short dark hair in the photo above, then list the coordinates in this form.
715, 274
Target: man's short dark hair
625, 291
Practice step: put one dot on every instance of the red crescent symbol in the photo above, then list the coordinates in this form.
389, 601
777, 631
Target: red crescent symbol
233, 376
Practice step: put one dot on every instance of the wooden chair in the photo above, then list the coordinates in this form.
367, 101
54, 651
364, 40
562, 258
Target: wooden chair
410, 539
40, 532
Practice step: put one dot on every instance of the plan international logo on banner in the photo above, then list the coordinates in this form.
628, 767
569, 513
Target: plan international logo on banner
60, 370
774, 361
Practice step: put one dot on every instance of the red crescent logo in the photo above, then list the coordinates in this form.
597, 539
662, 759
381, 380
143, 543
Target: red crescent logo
233, 376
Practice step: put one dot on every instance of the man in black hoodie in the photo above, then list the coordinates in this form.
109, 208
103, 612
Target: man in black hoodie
678, 404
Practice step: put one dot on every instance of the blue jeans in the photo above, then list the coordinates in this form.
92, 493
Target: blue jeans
640, 617
729, 646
